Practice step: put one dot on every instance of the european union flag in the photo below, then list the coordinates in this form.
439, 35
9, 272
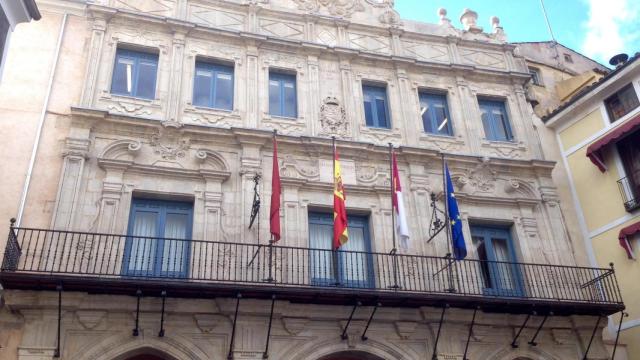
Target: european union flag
457, 237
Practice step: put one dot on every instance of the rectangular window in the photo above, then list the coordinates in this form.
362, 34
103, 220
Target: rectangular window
495, 120
134, 74
535, 76
158, 238
355, 264
435, 114
283, 99
621, 103
213, 86
496, 255
629, 150
376, 110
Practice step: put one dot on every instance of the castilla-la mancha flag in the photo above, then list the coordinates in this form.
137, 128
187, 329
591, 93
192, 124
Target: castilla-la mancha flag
398, 206
340, 232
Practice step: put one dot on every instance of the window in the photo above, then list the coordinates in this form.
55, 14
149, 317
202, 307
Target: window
376, 110
568, 58
629, 150
621, 103
134, 74
495, 120
535, 76
213, 86
282, 95
435, 113
495, 251
5, 27
355, 264
147, 250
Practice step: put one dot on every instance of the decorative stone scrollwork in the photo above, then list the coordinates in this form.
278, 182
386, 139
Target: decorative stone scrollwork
293, 168
333, 118
170, 145
344, 8
212, 160
390, 17
121, 150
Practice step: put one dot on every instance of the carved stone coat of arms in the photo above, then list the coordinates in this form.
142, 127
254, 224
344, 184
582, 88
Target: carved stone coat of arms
333, 118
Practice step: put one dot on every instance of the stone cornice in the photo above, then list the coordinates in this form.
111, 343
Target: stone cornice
318, 145
260, 39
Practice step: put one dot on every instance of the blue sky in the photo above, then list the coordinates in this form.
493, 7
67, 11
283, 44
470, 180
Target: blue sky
597, 28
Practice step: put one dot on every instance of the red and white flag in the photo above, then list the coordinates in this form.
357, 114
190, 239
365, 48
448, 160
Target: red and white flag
274, 213
402, 229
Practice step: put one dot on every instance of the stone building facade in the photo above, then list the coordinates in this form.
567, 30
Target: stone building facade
104, 147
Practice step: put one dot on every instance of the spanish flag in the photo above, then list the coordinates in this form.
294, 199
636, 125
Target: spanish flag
340, 232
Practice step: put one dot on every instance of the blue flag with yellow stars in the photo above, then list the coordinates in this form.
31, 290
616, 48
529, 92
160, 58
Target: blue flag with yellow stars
457, 238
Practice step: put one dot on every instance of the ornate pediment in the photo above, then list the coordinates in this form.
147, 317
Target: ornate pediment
341, 8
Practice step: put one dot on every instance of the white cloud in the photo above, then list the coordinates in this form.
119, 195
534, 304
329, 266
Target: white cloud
611, 28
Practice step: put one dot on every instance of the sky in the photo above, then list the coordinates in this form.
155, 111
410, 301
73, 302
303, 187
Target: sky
596, 28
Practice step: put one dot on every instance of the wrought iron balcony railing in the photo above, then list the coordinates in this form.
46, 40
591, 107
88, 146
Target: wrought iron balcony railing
41, 259
630, 191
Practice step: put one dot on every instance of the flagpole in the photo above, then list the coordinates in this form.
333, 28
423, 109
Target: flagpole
333, 248
394, 251
447, 221
393, 219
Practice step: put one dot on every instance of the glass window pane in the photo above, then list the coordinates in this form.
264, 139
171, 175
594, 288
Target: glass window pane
354, 265
481, 250
146, 80
274, 98
143, 250
174, 251
441, 121
320, 237
202, 88
381, 110
486, 124
224, 91
122, 76
290, 103
368, 111
504, 271
499, 126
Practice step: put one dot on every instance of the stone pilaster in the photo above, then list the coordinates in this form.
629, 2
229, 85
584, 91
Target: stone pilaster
253, 90
74, 156
314, 92
93, 59
175, 76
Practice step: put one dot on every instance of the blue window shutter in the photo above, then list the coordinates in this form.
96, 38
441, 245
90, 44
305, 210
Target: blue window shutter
134, 74
376, 108
283, 95
213, 86
495, 120
436, 111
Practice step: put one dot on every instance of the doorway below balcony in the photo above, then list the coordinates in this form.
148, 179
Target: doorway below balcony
351, 355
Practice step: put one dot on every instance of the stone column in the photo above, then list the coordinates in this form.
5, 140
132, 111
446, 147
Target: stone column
314, 95
93, 60
348, 98
396, 44
535, 148
407, 108
252, 98
471, 118
175, 75
74, 155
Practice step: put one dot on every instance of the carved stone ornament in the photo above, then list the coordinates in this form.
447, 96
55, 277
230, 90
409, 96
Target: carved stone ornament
390, 17
169, 144
342, 8
333, 118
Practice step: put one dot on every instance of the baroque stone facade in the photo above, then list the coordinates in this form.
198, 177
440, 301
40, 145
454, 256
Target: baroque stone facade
106, 149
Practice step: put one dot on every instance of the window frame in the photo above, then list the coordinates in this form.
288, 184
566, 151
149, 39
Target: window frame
216, 68
367, 89
501, 104
282, 77
137, 55
354, 221
606, 102
536, 78
431, 97
493, 266
161, 208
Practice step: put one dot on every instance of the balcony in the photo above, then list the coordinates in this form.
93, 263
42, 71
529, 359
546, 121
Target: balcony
630, 192
38, 259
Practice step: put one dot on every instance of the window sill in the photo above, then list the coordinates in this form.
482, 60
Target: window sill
212, 109
283, 118
129, 97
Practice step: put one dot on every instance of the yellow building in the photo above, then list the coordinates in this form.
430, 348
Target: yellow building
598, 131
